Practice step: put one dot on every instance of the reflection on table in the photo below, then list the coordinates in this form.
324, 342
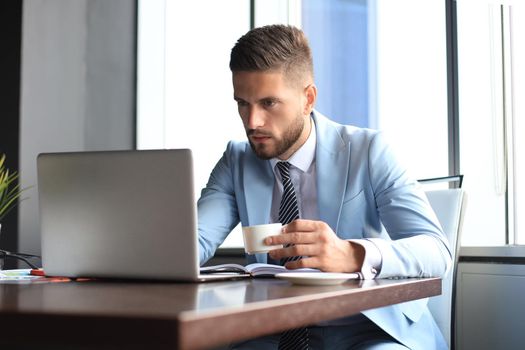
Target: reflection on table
116, 314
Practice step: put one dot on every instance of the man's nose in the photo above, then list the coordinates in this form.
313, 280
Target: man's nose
255, 118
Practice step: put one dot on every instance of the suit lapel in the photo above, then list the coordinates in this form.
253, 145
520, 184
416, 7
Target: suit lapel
258, 188
332, 162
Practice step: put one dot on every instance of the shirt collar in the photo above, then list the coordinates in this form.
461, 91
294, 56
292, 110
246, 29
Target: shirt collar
304, 156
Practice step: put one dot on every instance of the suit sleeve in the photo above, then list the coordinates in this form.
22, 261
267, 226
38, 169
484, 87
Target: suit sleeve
217, 208
417, 245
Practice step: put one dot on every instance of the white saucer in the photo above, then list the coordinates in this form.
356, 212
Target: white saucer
316, 278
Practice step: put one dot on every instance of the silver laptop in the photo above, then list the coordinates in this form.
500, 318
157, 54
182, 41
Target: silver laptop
119, 214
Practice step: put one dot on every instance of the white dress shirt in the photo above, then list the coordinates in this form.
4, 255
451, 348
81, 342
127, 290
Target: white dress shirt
303, 176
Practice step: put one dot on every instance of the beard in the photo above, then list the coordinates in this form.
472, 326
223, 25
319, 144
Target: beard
280, 145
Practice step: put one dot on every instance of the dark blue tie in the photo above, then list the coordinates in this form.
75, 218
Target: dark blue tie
288, 210
293, 339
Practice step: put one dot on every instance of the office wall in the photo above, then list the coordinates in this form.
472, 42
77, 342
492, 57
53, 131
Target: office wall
78, 87
10, 41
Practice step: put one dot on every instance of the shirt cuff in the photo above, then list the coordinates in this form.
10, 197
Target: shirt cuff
372, 261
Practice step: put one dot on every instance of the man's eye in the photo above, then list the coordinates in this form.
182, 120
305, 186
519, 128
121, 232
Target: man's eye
269, 103
242, 103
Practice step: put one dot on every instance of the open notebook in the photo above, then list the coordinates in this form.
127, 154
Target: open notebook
303, 276
255, 269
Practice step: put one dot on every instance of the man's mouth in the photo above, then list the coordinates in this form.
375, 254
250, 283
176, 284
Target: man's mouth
259, 138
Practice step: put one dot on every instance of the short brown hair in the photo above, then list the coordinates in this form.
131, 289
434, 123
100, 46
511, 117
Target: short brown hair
274, 47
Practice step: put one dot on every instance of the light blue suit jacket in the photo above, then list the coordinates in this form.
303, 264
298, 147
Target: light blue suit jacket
363, 192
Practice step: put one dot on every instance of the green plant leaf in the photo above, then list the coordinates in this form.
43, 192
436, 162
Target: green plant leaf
5, 208
9, 189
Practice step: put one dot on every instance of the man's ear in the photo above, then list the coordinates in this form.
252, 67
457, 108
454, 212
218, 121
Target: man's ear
311, 97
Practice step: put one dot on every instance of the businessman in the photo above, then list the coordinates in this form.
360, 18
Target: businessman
348, 205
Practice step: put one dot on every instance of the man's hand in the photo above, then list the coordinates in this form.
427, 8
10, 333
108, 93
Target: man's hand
319, 246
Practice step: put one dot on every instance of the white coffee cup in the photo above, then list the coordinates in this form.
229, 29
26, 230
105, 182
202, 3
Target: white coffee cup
254, 237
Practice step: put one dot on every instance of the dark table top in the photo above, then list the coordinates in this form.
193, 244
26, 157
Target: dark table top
111, 314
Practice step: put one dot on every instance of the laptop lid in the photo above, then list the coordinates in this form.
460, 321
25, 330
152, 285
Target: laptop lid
118, 214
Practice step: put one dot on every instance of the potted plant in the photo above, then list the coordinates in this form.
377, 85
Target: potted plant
9, 190
9, 194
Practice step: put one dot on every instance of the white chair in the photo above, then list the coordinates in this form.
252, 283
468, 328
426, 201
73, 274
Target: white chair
449, 206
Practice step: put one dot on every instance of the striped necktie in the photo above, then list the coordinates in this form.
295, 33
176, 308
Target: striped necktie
288, 210
293, 339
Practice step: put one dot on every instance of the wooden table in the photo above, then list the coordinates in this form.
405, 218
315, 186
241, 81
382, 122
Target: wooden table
108, 315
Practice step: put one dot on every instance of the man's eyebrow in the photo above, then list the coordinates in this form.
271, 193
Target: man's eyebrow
273, 98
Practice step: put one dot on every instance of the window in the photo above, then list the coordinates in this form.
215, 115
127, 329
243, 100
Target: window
491, 48
409, 93
374, 70
185, 95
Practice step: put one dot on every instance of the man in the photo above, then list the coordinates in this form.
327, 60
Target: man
358, 210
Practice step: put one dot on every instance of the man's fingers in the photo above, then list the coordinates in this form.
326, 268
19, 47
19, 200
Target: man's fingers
301, 225
305, 262
294, 250
292, 238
